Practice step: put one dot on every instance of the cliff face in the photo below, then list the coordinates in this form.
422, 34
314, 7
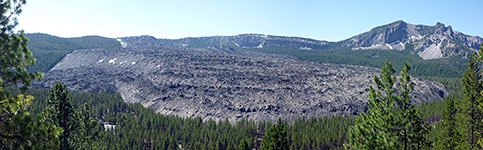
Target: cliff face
429, 42
221, 83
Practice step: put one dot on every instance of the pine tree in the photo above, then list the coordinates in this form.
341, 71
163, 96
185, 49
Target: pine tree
19, 130
89, 130
410, 127
276, 137
450, 138
60, 112
471, 115
243, 145
391, 121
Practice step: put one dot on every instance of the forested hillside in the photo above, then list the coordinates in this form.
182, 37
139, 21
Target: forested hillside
449, 67
48, 50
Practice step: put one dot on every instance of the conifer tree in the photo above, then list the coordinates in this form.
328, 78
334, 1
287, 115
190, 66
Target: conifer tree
391, 121
471, 116
243, 145
88, 128
276, 137
450, 137
19, 130
60, 112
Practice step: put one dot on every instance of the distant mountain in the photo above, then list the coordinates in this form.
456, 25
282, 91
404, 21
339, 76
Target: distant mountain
429, 42
237, 41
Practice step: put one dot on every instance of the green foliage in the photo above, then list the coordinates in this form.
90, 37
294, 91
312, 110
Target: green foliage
276, 137
322, 133
462, 119
243, 145
49, 50
89, 131
391, 121
137, 127
18, 129
445, 67
471, 116
80, 129
60, 113
450, 137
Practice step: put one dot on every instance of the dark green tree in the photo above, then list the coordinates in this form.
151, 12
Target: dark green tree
410, 128
243, 145
88, 129
450, 137
60, 112
19, 130
81, 130
276, 137
470, 115
391, 121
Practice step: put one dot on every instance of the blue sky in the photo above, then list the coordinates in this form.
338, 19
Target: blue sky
322, 20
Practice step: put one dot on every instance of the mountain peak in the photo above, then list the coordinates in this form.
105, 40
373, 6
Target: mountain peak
399, 22
430, 42
439, 25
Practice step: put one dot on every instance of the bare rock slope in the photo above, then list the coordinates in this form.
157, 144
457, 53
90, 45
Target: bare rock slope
429, 42
224, 83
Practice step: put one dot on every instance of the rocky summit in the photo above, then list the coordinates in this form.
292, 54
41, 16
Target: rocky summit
222, 82
429, 42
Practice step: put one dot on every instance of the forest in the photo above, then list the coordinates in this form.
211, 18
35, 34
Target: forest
137, 127
59, 119
450, 67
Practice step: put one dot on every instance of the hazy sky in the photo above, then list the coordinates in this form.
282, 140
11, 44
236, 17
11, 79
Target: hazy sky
323, 20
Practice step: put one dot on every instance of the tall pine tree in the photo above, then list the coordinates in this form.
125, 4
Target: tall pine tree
18, 129
391, 121
450, 138
60, 112
81, 130
471, 116
276, 137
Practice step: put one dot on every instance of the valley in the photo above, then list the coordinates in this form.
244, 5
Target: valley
224, 83
244, 83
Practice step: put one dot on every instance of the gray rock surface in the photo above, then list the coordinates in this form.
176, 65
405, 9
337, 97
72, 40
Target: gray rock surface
223, 83
429, 42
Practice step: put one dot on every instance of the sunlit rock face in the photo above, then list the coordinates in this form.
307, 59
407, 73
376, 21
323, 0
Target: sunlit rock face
222, 83
429, 42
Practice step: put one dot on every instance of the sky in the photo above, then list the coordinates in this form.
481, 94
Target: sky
332, 20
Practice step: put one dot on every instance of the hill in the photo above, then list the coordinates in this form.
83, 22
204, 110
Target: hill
49, 50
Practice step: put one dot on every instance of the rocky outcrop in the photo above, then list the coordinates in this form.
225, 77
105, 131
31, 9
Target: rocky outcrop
223, 83
429, 42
